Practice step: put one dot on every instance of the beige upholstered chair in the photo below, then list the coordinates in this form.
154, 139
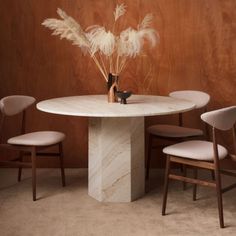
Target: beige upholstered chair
29, 143
204, 154
177, 133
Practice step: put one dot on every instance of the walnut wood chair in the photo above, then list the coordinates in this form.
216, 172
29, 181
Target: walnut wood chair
177, 133
29, 143
204, 154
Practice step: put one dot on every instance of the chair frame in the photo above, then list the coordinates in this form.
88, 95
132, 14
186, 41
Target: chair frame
214, 166
33, 151
151, 137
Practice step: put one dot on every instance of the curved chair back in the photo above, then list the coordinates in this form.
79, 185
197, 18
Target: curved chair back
222, 119
199, 98
15, 104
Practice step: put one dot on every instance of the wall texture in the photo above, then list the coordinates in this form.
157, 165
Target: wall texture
197, 51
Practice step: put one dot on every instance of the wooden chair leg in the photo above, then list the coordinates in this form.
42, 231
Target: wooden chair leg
184, 174
166, 185
20, 167
213, 175
195, 185
219, 197
62, 165
33, 160
150, 138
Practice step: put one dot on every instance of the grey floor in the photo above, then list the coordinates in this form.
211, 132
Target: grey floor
70, 211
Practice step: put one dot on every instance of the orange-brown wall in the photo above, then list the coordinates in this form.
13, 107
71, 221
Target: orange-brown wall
197, 50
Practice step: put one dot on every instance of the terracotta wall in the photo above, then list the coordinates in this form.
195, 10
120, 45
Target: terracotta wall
197, 51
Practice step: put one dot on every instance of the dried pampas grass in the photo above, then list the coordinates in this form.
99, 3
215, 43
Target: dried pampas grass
68, 28
101, 40
146, 22
110, 52
119, 11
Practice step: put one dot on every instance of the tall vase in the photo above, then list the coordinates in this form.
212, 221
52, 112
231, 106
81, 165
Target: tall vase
112, 86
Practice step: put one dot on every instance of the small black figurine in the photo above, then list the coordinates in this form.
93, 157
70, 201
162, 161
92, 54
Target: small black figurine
123, 95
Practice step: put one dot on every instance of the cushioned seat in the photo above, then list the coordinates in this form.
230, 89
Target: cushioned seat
198, 150
203, 154
177, 132
29, 143
41, 138
173, 131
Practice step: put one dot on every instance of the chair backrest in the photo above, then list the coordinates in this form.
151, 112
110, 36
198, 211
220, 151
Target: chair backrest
13, 105
199, 98
222, 119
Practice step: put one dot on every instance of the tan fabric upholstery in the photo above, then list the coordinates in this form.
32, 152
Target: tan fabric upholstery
173, 131
199, 98
15, 104
222, 119
41, 138
198, 150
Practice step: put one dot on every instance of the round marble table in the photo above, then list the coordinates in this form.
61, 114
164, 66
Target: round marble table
116, 139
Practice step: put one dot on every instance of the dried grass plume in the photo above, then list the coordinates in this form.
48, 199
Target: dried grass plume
109, 51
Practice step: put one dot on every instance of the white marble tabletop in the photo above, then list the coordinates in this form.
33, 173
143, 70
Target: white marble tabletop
97, 106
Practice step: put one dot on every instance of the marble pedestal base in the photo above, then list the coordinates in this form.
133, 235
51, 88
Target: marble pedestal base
116, 159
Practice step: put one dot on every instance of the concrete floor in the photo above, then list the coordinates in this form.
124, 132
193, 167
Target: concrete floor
70, 211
